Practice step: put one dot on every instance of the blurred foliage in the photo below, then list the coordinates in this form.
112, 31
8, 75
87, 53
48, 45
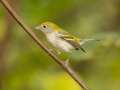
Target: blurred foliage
30, 68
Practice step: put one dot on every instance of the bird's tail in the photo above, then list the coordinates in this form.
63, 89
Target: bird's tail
84, 41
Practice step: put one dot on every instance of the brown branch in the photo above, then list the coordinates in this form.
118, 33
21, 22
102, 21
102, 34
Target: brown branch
40, 44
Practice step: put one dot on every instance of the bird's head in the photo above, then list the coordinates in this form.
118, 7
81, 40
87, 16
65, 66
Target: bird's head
48, 27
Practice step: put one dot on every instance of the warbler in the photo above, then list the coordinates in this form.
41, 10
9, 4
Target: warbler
60, 38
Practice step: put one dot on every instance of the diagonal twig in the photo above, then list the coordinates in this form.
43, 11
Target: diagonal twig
28, 30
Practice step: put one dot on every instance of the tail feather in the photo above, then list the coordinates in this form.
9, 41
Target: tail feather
83, 41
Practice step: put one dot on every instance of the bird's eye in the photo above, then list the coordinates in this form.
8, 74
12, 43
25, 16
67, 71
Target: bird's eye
44, 26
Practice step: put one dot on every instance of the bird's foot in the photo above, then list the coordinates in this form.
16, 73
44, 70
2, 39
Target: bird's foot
55, 52
51, 50
67, 62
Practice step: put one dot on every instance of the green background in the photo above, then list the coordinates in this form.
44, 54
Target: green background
27, 67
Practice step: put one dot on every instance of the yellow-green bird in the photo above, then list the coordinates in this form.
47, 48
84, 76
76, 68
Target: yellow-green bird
60, 38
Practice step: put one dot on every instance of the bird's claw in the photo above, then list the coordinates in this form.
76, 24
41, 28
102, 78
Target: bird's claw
51, 50
67, 62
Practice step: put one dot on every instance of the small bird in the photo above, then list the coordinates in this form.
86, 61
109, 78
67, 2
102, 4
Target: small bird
61, 39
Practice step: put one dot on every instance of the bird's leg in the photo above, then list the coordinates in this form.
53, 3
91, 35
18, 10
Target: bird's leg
57, 52
67, 62
51, 50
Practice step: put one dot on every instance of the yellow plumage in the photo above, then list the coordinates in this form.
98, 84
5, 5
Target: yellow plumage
60, 38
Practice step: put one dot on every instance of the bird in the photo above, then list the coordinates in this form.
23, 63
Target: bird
61, 39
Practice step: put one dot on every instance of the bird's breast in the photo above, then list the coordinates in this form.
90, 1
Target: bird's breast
59, 43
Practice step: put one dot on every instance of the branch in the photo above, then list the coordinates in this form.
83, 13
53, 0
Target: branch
40, 44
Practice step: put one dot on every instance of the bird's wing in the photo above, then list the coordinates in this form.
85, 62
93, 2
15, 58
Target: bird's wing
74, 41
